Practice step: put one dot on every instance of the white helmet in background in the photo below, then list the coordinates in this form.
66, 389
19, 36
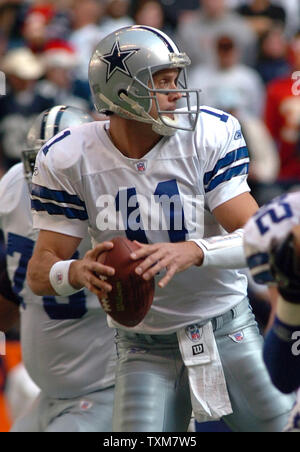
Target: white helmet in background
46, 125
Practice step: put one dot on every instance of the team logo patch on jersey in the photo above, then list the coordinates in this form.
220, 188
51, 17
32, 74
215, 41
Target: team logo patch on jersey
141, 167
85, 405
193, 332
237, 337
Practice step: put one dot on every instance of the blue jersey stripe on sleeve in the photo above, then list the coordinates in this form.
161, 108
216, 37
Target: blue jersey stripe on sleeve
47, 147
229, 158
227, 175
223, 117
54, 209
56, 195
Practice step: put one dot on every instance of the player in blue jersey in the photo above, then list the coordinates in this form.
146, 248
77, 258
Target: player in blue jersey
173, 179
272, 246
67, 348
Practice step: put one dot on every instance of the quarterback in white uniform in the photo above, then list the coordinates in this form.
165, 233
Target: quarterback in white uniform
273, 257
174, 180
67, 348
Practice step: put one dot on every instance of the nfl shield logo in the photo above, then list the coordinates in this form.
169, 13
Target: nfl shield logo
140, 167
85, 405
59, 278
193, 333
237, 337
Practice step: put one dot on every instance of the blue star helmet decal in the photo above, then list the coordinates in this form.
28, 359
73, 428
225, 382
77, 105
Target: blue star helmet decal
116, 60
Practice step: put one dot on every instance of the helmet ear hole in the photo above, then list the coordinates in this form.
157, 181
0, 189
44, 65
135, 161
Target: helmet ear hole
122, 91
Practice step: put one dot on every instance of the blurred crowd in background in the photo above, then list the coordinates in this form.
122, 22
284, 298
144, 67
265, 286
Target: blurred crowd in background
245, 57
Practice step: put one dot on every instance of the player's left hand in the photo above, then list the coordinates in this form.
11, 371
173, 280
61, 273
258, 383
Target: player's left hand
174, 257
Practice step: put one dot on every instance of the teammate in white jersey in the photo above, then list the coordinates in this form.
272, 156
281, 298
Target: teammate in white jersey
162, 176
272, 246
67, 348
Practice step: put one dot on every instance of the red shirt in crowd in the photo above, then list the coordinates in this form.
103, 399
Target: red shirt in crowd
283, 120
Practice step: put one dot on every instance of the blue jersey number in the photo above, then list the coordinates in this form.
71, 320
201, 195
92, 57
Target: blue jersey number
172, 210
75, 309
23, 246
275, 214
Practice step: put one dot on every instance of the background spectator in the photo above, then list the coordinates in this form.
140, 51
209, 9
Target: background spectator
152, 14
116, 16
198, 35
261, 15
21, 104
292, 10
272, 55
283, 120
12, 15
35, 27
60, 83
229, 74
86, 32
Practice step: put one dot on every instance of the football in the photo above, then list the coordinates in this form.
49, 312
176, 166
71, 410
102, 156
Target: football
131, 296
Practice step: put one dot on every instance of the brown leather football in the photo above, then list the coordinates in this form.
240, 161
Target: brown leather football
131, 296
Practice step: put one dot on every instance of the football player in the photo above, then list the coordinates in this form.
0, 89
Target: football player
272, 246
67, 348
174, 180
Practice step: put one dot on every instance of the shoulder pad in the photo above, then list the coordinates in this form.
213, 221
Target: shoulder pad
65, 150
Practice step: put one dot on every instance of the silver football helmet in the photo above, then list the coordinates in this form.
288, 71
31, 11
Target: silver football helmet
46, 125
121, 77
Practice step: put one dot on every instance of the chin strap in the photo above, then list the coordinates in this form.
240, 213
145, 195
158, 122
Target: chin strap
142, 116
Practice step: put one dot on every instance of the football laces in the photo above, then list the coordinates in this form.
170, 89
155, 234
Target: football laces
105, 305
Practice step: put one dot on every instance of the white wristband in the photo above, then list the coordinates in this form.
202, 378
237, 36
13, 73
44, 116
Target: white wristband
223, 251
59, 278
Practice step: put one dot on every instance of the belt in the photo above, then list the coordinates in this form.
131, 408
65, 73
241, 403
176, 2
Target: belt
219, 321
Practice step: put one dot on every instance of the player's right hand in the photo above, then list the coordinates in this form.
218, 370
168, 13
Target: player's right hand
89, 272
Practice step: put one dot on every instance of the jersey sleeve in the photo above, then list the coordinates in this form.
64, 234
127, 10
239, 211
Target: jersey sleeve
56, 204
227, 164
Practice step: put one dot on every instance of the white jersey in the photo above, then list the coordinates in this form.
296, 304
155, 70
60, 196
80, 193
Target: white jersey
68, 349
84, 183
271, 223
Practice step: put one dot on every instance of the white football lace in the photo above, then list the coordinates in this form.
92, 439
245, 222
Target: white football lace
105, 305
